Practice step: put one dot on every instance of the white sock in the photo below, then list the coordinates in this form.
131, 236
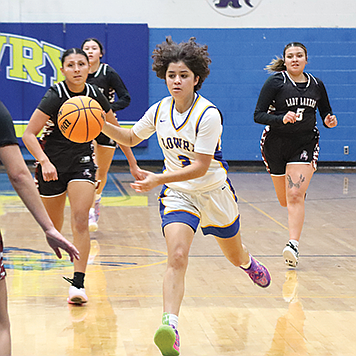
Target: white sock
247, 265
97, 197
295, 243
172, 319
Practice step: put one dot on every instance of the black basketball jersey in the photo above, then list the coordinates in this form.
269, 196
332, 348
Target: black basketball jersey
64, 154
109, 82
281, 94
7, 130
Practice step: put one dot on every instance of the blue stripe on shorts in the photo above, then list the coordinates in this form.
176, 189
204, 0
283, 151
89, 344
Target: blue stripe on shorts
180, 216
223, 232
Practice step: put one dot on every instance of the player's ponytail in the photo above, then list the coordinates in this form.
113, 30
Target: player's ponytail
276, 65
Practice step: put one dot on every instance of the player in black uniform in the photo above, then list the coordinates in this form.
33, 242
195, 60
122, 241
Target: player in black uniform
65, 167
110, 84
22, 181
290, 142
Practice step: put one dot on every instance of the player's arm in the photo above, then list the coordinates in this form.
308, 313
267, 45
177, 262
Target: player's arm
123, 96
22, 181
265, 99
329, 120
195, 170
129, 137
35, 125
112, 127
209, 132
121, 135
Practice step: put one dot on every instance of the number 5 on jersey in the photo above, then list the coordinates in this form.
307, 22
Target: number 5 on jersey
299, 114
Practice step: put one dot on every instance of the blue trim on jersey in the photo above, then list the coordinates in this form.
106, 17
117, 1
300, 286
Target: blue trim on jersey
201, 116
188, 115
162, 193
180, 216
164, 168
223, 232
156, 113
218, 157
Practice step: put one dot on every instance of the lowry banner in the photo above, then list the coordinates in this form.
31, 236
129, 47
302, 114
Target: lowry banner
30, 59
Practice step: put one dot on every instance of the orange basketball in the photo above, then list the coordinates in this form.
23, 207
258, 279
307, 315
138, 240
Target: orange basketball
80, 119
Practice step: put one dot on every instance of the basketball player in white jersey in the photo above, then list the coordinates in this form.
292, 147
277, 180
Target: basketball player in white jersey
195, 187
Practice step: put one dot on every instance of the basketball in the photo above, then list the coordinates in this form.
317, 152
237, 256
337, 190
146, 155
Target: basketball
80, 119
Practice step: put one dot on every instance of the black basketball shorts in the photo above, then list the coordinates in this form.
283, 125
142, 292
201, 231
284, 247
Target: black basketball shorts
105, 141
58, 187
277, 151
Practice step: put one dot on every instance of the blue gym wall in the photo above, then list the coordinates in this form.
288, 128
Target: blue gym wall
237, 75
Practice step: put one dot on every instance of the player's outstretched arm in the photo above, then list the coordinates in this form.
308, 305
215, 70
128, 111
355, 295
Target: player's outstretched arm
195, 170
22, 181
126, 139
121, 135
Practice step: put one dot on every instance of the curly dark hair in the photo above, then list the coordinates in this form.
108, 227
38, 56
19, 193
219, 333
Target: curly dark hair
193, 55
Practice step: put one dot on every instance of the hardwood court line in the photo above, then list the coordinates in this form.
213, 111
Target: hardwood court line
62, 270
131, 267
269, 256
263, 213
123, 197
140, 266
125, 296
118, 184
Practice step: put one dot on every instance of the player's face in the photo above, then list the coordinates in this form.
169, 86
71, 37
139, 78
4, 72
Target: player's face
295, 60
92, 49
75, 69
180, 81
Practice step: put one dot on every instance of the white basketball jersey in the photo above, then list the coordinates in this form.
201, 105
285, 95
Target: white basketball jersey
198, 130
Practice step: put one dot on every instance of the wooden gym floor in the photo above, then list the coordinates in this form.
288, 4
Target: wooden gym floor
309, 310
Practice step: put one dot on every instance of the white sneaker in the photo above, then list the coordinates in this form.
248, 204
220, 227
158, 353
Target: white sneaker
77, 295
93, 225
291, 255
